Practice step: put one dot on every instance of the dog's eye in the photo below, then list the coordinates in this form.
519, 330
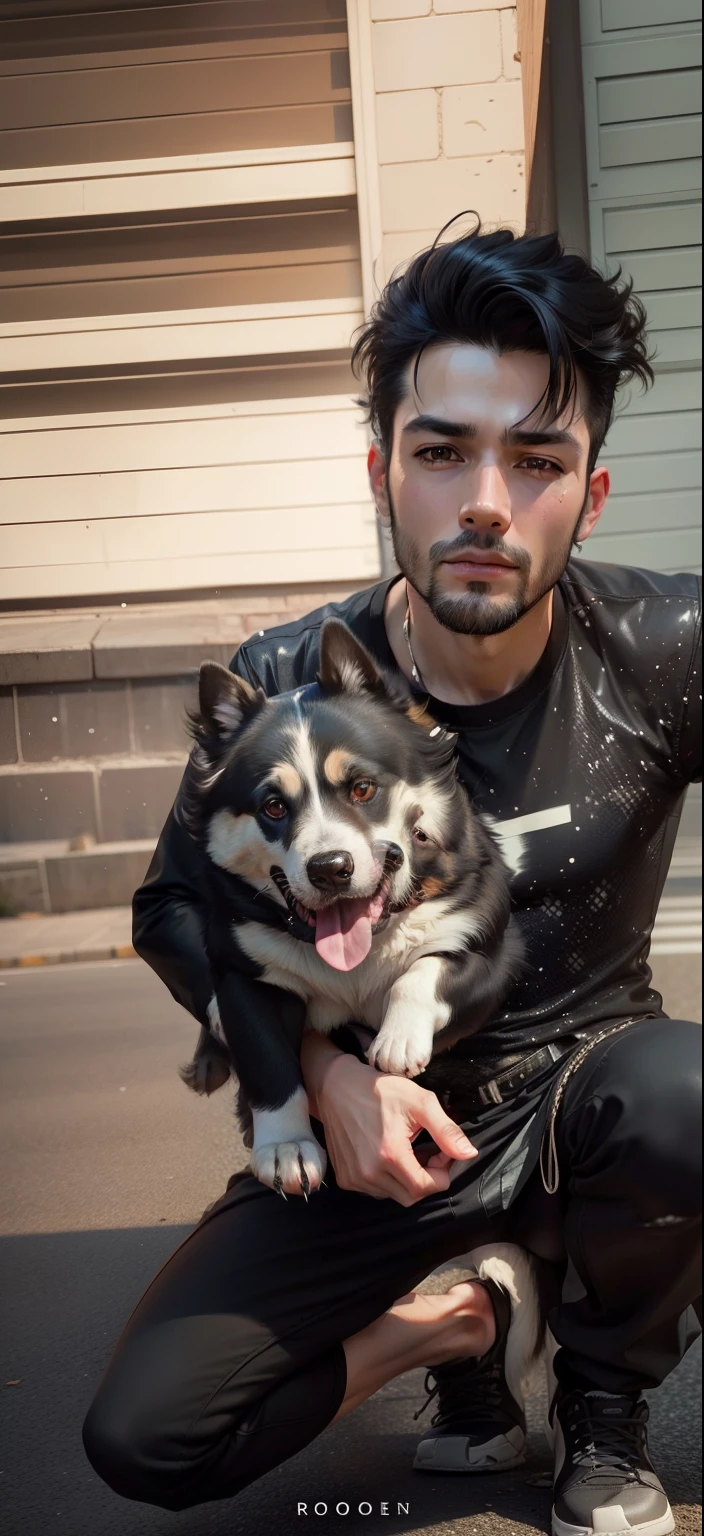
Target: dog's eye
362, 791
419, 836
274, 809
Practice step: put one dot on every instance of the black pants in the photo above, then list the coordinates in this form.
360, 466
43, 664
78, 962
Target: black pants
232, 1360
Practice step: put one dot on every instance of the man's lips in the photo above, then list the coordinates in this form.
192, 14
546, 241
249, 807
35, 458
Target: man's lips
474, 561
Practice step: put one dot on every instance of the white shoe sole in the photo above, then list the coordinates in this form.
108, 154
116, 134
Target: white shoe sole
452, 1453
660, 1527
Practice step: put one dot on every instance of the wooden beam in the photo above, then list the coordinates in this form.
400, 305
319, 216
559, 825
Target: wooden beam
533, 47
359, 30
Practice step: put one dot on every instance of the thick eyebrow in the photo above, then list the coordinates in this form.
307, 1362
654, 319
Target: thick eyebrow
550, 437
441, 427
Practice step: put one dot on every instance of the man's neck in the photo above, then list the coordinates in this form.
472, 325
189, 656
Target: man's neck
465, 669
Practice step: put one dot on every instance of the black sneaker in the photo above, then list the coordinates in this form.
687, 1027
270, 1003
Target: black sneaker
480, 1425
605, 1484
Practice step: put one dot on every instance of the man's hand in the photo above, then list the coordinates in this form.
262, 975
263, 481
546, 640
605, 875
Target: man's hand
370, 1122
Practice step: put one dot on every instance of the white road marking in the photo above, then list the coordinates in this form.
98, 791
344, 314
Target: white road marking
678, 926
680, 948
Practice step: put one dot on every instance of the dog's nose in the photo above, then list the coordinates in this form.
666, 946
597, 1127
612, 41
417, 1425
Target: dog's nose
330, 871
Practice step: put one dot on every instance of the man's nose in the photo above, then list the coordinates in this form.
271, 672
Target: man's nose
331, 871
489, 506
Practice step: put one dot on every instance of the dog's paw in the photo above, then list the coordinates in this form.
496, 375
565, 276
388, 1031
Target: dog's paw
399, 1052
290, 1167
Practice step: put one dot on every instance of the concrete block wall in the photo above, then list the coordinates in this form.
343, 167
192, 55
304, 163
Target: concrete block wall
95, 758
93, 737
449, 118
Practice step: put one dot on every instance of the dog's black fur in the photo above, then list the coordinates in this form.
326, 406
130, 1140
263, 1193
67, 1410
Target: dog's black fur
332, 819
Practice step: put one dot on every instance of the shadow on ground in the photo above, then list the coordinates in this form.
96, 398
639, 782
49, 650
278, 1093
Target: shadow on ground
67, 1297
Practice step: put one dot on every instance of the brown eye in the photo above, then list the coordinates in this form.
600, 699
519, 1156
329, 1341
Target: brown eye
419, 836
274, 809
362, 791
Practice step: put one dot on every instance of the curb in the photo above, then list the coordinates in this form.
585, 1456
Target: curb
67, 957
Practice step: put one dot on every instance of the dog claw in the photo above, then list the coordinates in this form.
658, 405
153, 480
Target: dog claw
275, 1163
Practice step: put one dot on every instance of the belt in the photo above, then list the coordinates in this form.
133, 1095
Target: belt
497, 1089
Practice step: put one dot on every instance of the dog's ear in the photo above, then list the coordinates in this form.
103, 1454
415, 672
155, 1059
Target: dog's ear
226, 701
345, 664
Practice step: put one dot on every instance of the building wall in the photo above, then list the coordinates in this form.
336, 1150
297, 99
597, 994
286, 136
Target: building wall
180, 279
641, 68
182, 188
448, 119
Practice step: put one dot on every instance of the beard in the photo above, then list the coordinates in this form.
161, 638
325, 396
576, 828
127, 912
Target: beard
475, 611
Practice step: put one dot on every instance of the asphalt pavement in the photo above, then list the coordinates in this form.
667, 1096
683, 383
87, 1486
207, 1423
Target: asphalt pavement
108, 1163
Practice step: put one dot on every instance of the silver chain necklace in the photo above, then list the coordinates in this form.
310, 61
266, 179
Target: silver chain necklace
415, 674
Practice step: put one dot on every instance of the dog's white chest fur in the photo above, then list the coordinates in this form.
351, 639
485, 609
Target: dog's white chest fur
334, 997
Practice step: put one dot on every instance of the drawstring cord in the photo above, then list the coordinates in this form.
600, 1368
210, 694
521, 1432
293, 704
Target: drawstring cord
549, 1166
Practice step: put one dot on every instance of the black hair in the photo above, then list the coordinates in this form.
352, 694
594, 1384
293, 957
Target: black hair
510, 293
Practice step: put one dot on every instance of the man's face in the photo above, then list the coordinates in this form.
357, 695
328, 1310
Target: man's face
474, 471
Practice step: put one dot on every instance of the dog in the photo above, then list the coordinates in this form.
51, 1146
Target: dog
347, 869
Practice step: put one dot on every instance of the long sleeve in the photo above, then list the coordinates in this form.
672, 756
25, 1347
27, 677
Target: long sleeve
168, 920
169, 912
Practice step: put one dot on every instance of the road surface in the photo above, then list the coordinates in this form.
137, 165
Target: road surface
108, 1162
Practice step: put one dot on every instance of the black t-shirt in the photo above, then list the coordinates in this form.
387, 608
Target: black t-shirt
583, 770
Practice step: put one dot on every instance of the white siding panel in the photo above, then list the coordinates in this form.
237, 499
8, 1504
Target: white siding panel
654, 472
215, 533
86, 191
306, 433
677, 346
106, 82
634, 433
680, 391
177, 190
201, 569
134, 496
673, 309
654, 549
615, 15
649, 512
640, 98
254, 330
653, 226
664, 139
642, 125
661, 153
653, 270
230, 411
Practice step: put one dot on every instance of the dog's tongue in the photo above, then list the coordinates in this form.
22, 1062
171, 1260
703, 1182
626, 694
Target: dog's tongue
343, 931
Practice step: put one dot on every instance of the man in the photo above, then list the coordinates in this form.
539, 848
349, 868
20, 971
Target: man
491, 367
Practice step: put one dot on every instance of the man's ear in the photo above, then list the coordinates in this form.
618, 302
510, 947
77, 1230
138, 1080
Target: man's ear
599, 487
225, 701
377, 471
345, 664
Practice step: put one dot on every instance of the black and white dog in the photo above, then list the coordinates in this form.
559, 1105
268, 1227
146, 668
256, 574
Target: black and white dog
347, 869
